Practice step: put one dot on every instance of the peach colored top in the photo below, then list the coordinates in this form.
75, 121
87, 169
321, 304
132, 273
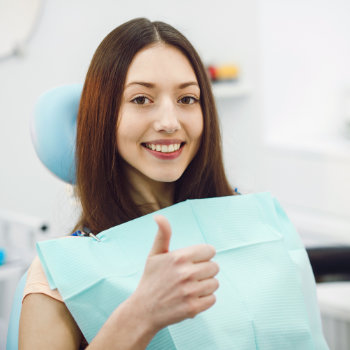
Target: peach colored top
37, 282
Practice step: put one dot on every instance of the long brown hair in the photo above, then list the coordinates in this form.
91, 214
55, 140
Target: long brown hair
101, 185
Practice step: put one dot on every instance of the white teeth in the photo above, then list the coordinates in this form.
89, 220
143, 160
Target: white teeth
163, 148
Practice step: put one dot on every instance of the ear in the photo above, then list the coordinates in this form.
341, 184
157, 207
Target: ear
53, 129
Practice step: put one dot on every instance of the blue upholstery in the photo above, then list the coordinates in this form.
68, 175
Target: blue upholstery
53, 129
12, 333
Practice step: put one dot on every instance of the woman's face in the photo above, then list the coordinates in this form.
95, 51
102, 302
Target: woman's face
160, 122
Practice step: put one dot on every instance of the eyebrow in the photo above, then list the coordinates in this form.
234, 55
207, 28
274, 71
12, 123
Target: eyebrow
152, 86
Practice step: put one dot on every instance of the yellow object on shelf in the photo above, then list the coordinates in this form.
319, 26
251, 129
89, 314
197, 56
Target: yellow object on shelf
223, 72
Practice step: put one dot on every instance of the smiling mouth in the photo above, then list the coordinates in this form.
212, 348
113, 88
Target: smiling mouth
161, 148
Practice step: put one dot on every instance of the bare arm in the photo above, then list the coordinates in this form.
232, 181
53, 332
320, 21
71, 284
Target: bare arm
46, 323
126, 329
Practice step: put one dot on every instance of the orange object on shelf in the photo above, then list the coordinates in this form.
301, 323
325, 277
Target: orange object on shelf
223, 72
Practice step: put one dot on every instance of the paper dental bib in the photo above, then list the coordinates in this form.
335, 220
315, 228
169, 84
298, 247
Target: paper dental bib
267, 295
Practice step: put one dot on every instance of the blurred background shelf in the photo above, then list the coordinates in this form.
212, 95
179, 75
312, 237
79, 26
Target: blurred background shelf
226, 90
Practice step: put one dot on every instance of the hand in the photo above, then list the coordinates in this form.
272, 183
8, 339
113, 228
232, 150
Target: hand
175, 285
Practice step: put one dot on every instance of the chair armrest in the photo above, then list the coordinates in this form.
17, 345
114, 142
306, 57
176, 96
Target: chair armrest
330, 261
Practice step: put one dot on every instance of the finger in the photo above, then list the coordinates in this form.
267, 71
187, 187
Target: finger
204, 303
162, 238
202, 288
197, 253
204, 270
207, 287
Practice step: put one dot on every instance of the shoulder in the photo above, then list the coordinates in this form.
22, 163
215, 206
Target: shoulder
37, 282
44, 309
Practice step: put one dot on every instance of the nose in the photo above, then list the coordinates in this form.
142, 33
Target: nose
167, 119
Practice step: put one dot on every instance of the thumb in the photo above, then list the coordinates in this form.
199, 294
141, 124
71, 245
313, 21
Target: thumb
162, 239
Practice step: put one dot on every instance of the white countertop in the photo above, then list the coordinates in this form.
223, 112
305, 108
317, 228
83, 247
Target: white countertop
334, 299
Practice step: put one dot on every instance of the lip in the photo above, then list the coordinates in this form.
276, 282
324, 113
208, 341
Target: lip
165, 156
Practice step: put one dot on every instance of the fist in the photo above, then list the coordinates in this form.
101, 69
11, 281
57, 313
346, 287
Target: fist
176, 285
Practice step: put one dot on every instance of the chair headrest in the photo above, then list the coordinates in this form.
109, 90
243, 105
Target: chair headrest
53, 129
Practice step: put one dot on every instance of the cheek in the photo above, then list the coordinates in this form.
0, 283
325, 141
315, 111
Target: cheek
124, 134
128, 129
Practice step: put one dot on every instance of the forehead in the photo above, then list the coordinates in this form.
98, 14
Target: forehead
160, 62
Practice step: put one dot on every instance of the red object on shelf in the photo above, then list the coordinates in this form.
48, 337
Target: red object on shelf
223, 72
212, 72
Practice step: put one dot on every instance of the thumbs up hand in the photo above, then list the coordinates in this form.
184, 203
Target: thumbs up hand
162, 239
175, 285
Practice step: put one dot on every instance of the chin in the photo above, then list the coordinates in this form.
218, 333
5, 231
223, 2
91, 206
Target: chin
166, 177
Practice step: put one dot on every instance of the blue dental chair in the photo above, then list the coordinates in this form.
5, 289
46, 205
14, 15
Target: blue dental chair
53, 130
12, 332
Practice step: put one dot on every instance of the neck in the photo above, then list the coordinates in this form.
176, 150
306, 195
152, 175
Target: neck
149, 193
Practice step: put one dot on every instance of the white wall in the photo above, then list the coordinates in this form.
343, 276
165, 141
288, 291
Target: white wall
305, 66
59, 53
305, 80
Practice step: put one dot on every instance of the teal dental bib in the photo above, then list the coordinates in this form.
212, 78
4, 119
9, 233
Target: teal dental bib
267, 294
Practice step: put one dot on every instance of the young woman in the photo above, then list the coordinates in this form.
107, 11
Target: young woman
147, 137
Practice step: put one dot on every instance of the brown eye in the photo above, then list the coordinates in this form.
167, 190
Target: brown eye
188, 100
140, 100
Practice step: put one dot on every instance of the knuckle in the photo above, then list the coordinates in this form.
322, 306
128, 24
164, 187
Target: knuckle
189, 275
178, 258
184, 292
187, 292
183, 275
